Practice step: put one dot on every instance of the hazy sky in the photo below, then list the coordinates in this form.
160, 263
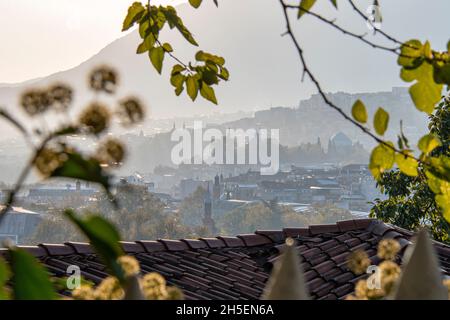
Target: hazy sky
42, 37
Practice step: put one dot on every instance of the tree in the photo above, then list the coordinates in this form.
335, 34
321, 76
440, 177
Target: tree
411, 201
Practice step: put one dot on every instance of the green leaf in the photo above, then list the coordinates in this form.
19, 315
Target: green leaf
428, 143
406, 164
204, 56
425, 93
381, 121
77, 167
381, 159
334, 2
411, 54
441, 189
207, 92
175, 21
192, 87
135, 12
30, 280
4, 277
195, 3
157, 57
142, 48
104, 237
167, 47
359, 111
176, 69
224, 74
305, 5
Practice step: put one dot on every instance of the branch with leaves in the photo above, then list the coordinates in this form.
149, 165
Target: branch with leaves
199, 77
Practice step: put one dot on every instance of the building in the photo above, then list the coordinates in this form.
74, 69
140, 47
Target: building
18, 223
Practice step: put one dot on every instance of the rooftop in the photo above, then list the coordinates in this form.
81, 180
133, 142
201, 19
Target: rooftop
238, 267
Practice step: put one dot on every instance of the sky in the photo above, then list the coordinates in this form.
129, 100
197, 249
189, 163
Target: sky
42, 37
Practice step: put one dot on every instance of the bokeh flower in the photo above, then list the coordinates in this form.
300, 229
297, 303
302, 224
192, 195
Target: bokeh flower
47, 161
95, 118
130, 111
60, 96
154, 286
358, 262
35, 101
83, 292
129, 265
109, 289
388, 249
103, 79
111, 152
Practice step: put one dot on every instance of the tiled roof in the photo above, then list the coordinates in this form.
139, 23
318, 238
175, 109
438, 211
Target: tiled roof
238, 267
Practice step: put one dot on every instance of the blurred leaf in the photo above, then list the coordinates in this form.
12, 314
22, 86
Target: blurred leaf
167, 47
428, 143
441, 189
410, 54
135, 12
204, 56
359, 112
104, 237
30, 280
192, 87
425, 93
157, 57
334, 2
4, 277
305, 5
77, 167
381, 159
195, 3
381, 121
208, 93
406, 164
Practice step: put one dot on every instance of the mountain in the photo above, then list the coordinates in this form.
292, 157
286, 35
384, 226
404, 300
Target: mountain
264, 66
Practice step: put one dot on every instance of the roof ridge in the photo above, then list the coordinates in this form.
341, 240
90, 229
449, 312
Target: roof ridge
259, 237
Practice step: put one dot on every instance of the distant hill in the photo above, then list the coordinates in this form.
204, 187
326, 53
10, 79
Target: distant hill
265, 70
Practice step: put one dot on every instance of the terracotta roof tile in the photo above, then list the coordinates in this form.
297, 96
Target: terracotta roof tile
274, 235
252, 240
232, 242
238, 267
174, 245
214, 242
345, 226
322, 228
195, 243
152, 246
132, 247
295, 232
81, 247
36, 251
57, 249
363, 223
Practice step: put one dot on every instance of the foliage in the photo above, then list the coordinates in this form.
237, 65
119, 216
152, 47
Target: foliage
411, 201
199, 77
272, 216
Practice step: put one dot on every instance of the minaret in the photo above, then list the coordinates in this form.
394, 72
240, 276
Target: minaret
216, 187
208, 221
